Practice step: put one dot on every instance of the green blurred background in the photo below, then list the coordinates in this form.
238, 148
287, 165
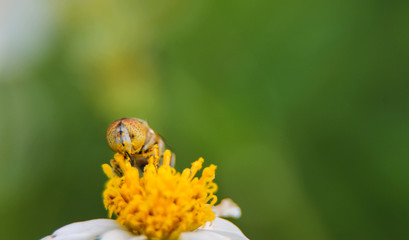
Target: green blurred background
302, 105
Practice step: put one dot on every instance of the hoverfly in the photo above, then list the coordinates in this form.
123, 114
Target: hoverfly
133, 138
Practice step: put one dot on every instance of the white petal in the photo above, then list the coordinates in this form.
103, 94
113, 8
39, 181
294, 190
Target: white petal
221, 224
87, 230
201, 235
222, 227
227, 208
116, 234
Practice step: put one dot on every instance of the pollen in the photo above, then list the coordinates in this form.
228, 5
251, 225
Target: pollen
162, 203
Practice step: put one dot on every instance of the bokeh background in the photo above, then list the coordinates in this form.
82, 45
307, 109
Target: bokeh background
303, 105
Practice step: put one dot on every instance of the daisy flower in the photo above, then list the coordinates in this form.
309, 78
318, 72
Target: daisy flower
158, 203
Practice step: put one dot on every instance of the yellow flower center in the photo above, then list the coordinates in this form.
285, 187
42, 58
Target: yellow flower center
162, 203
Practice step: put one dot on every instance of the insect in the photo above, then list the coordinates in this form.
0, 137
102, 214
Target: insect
133, 138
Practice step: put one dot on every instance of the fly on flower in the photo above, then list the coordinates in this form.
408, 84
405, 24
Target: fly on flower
134, 139
150, 199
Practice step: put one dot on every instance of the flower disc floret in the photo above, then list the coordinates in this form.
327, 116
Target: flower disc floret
162, 203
